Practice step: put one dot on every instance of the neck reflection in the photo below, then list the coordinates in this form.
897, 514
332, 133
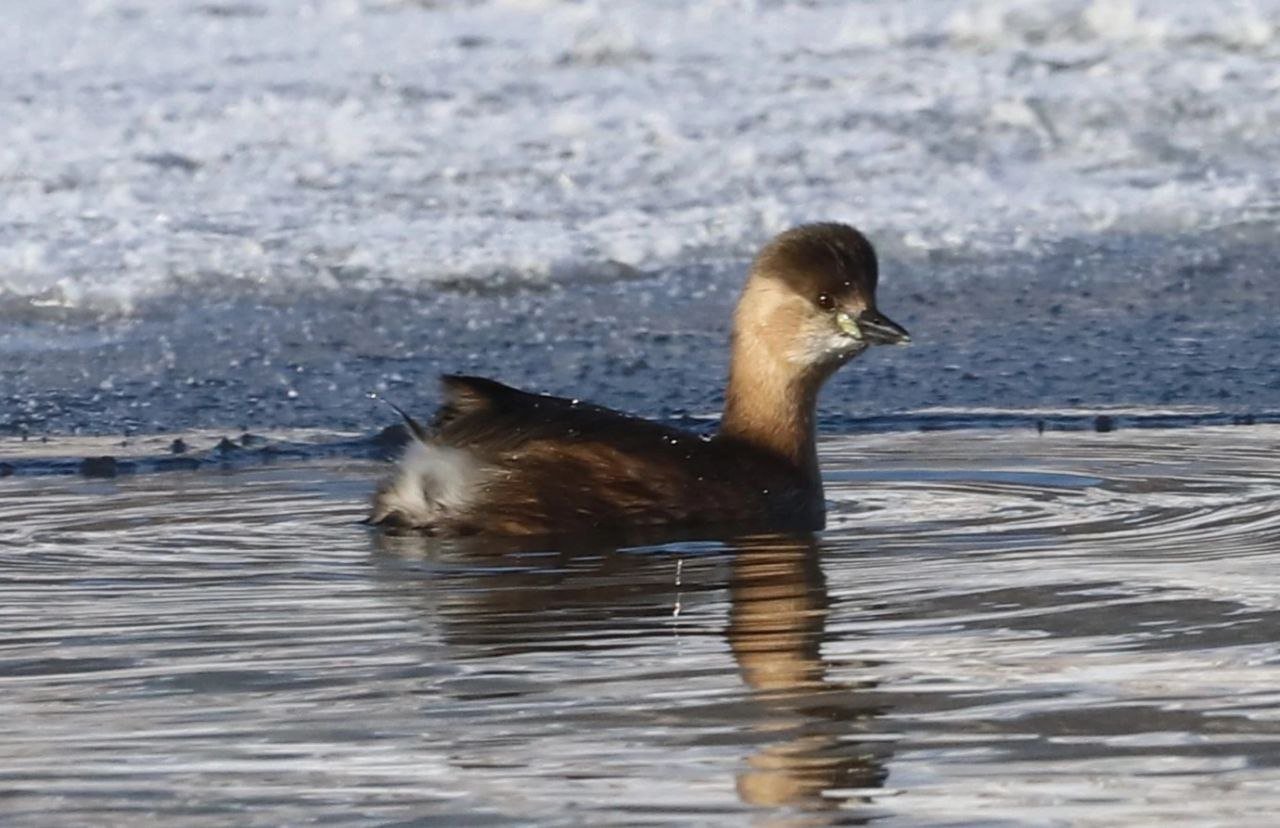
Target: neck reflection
811, 735
810, 725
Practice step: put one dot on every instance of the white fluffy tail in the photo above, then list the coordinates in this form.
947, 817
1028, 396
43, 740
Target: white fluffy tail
433, 484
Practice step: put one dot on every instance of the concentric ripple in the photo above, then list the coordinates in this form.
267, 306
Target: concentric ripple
996, 626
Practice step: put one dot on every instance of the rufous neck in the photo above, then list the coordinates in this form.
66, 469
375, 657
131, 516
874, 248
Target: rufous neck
770, 406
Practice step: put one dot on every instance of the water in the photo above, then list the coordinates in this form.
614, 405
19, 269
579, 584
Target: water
996, 627
999, 339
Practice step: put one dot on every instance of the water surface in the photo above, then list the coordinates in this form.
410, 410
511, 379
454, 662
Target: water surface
996, 626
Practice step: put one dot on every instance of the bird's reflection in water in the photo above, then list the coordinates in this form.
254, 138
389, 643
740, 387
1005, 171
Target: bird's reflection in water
812, 737
809, 724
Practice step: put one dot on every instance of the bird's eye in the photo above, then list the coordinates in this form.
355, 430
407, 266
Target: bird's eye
825, 301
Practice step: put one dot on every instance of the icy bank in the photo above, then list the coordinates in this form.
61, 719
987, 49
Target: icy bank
315, 145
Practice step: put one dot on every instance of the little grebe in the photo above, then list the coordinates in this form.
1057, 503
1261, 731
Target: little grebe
499, 461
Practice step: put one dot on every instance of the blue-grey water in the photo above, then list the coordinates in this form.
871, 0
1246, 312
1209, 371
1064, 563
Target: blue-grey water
1046, 593
996, 627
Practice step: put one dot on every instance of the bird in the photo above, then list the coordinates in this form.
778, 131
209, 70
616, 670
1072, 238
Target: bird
500, 462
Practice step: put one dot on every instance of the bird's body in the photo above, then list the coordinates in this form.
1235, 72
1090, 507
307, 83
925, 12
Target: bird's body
504, 462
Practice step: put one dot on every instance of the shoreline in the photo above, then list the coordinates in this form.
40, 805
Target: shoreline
107, 456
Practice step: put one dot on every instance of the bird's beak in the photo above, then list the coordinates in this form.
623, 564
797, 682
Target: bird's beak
873, 327
881, 330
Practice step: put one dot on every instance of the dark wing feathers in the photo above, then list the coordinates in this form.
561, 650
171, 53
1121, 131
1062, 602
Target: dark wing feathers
464, 396
488, 417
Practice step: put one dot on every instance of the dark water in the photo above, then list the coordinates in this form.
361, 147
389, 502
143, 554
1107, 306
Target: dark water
1179, 325
996, 627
